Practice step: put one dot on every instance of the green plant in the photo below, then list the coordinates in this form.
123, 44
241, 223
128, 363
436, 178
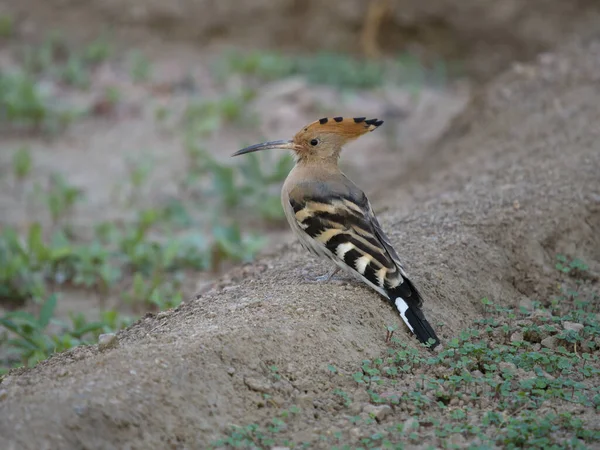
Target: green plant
33, 342
141, 68
23, 105
41, 58
6, 26
22, 163
97, 51
74, 72
35, 338
566, 266
327, 68
61, 197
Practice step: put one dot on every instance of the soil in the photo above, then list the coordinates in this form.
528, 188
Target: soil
481, 213
482, 36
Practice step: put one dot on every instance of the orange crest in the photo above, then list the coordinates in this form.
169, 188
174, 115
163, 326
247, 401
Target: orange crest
347, 128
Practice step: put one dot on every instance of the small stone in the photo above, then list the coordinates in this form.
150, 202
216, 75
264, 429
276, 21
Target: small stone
361, 396
507, 366
379, 412
161, 363
548, 376
541, 316
458, 440
280, 448
162, 315
305, 400
573, 326
526, 303
477, 374
516, 337
3, 394
410, 425
355, 433
549, 342
355, 408
106, 341
300, 310
258, 385
231, 371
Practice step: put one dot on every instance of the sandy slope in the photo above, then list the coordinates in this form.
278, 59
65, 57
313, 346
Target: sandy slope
516, 181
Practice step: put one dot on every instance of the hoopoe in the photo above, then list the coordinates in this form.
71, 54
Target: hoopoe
334, 219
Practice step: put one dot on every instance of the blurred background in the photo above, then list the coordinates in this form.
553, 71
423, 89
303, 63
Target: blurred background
118, 117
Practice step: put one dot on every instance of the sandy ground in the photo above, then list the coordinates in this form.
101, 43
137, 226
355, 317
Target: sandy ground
482, 213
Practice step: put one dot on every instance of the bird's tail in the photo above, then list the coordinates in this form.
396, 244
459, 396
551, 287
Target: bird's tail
408, 301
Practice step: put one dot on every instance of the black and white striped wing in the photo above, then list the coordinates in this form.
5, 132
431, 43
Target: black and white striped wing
346, 227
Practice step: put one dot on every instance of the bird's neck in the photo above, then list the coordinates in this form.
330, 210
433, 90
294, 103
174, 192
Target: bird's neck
314, 170
311, 159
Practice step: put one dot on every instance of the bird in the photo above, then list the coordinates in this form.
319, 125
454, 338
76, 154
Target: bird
333, 218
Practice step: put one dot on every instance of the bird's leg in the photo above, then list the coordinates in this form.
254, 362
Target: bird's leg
327, 277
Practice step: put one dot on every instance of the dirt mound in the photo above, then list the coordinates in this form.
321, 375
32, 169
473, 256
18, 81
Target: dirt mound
518, 183
484, 35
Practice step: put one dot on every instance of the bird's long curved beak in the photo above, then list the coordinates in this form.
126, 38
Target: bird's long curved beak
286, 145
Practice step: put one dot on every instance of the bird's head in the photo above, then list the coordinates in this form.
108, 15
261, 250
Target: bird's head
322, 139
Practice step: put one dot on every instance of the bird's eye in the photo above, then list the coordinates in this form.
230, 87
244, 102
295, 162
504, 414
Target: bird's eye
314, 142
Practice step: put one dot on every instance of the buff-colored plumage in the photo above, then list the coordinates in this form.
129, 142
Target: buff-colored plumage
333, 218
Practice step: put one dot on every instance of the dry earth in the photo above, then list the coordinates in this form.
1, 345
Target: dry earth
484, 214
484, 35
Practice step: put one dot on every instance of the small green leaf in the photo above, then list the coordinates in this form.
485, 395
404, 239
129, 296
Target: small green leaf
47, 311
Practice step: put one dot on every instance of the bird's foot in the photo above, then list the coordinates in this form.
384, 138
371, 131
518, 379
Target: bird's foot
324, 278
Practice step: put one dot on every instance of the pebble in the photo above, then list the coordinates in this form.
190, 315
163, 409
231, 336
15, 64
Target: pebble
410, 425
541, 316
3, 394
258, 385
507, 366
106, 341
573, 326
549, 342
163, 314
361, 396
355, 408
516, 337
355, 432
526, 303
305, 400
379, 412
458, 440
231, 371
161, 363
